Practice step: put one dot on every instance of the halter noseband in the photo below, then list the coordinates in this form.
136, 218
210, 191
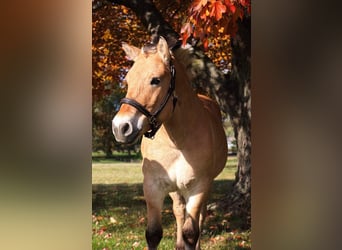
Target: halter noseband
152, 117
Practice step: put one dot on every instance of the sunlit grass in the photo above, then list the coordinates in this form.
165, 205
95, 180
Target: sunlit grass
115, 173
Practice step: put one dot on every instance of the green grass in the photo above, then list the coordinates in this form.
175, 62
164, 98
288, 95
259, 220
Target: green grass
117, 157
119, 212
109, 171
117, 173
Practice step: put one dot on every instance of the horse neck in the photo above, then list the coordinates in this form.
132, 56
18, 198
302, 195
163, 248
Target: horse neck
186, 110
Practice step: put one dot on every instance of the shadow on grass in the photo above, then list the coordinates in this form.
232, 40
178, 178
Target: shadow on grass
127, 200
114, 196
111, 196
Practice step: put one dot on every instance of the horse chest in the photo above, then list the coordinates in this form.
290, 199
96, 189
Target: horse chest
173, 169
170, 171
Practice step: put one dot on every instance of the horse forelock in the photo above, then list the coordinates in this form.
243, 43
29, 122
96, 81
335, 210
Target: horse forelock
149, 48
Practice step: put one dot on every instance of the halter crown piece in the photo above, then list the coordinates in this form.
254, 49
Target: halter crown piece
152, 117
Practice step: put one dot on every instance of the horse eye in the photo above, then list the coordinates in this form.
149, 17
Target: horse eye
155, 81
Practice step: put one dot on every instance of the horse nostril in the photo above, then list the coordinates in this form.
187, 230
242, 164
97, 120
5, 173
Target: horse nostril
126, 129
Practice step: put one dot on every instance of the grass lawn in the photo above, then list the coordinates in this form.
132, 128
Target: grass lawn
119, 212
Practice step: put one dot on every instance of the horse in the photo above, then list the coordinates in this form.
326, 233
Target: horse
184, 144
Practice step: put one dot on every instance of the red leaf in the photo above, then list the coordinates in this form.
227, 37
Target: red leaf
186, 28
186, 31
230, 5
205, 43
217, 10
245, 3
232, 8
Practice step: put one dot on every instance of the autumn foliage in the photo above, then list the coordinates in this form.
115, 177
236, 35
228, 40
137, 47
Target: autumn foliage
211, 18
112, 24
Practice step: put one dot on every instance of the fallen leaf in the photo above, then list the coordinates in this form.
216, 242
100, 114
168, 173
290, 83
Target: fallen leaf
135, 244
112, 220
142, 220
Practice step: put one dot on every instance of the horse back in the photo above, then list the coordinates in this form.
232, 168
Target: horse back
219, 144
211, 106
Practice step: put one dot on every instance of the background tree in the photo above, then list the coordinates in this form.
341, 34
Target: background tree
111, 24
221, 28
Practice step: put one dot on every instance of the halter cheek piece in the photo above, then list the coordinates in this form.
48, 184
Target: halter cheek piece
152, 117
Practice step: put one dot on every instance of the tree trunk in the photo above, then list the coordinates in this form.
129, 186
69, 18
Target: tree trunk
232, 92
240, 198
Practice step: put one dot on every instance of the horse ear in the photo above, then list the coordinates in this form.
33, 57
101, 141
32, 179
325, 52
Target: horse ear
163, 50
131, 51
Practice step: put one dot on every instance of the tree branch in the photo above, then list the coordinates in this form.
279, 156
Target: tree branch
152, 19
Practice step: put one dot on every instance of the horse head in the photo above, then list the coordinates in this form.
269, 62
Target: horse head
150, 84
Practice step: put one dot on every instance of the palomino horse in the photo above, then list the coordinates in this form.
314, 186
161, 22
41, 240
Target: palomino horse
185, 146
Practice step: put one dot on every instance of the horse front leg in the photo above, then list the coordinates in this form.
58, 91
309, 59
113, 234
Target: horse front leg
154, 202
202, 216
192, 227
179, 212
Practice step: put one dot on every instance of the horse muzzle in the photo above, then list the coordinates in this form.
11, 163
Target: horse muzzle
125, 130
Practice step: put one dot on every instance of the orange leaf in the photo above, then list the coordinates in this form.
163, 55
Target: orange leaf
198, 5
106, 51
125, 10
205, 14
217, 9
107, 36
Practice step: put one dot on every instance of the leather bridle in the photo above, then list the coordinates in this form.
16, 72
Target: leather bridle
152, 117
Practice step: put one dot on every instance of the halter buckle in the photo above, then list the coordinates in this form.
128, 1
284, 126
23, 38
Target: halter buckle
153, 121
